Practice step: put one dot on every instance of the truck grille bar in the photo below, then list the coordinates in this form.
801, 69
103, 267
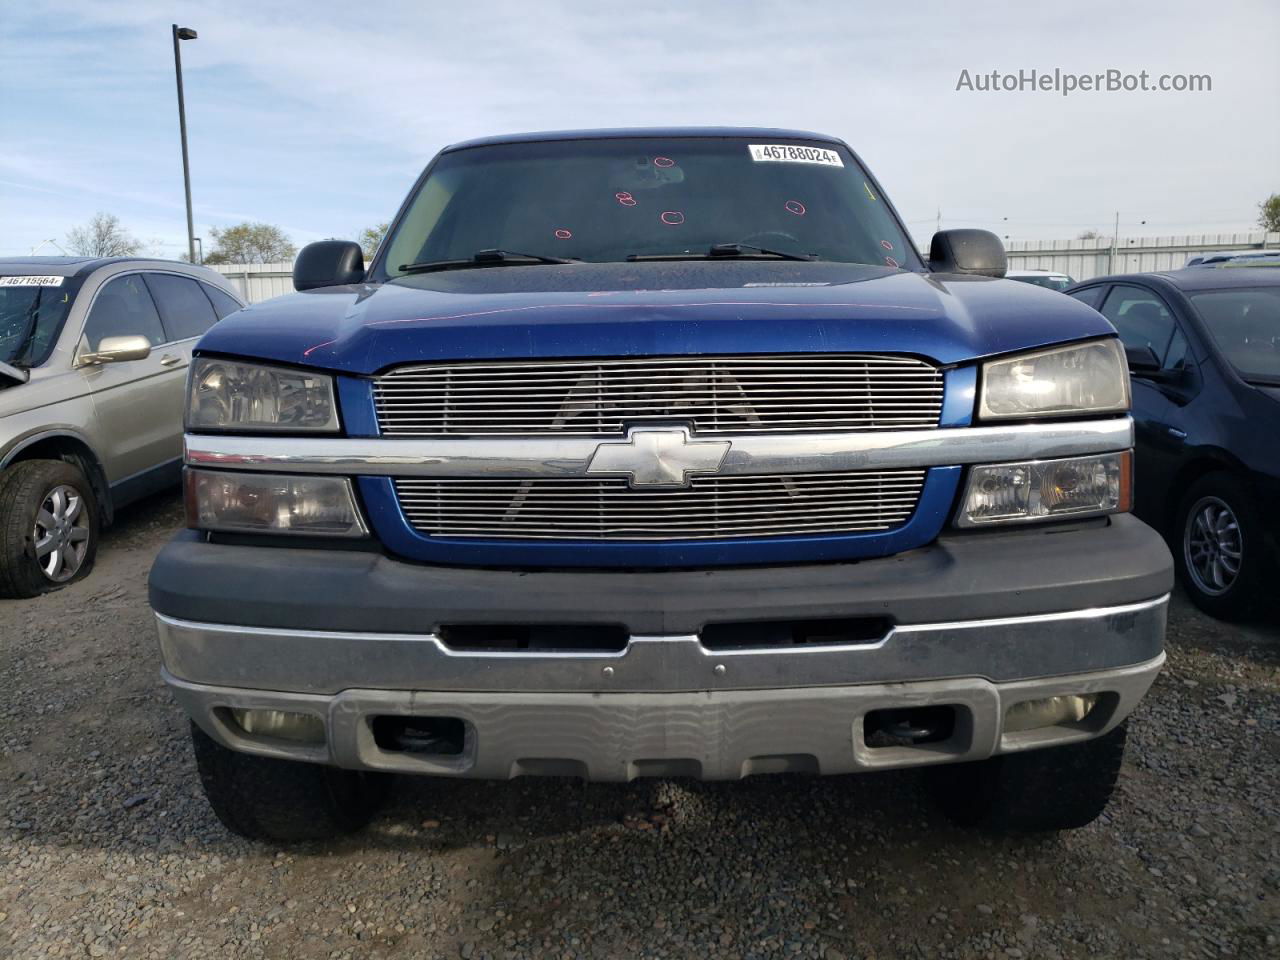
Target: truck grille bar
793, 393
571, 508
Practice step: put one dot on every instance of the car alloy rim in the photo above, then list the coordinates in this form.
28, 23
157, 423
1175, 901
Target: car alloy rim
1212, 546
61, 533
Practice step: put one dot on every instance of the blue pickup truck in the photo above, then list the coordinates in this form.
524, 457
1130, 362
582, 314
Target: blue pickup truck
645, 453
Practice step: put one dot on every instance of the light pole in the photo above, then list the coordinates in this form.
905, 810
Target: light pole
180, 34
200, 246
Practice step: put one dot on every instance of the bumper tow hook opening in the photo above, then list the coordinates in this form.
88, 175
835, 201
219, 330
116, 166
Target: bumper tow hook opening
423, 736
909, 726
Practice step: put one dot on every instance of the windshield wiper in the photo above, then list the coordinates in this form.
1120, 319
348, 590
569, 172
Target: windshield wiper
725, 250
20, 374
748, 249
483, 258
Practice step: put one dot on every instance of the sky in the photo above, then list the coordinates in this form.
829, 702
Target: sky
317, 116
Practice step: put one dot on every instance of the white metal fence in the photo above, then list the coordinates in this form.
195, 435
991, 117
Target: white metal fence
258, 281
1080, 259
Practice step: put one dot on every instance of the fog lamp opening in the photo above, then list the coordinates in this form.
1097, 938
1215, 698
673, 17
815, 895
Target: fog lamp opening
1049, 712
279, 724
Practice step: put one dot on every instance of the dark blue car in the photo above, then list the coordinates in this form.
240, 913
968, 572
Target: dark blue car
1204, 351
650, 454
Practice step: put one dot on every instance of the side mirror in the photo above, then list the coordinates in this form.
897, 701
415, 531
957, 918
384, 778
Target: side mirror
1141, 359
1144, 363
117, 350
977, 252
328, 263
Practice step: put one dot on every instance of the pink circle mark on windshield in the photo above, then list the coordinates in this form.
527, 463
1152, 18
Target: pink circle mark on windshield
672, 218
564, 234
663, 162
626, 199
891, 262
794, 206
886, 244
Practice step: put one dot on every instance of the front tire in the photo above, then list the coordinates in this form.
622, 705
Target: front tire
1055, 788
48, 527
284, 801
1220, 555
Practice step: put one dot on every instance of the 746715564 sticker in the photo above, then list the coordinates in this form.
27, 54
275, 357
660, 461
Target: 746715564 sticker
793, 153
31, 281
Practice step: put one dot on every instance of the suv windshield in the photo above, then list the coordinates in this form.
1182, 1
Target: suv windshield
30, 318
609, 199
1246, 325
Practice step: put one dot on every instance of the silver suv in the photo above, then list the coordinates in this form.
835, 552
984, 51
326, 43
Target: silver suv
93, 359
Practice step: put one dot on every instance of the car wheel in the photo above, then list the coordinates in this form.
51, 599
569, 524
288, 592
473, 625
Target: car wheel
1220, 553
1054, 788
284, 801
48, 527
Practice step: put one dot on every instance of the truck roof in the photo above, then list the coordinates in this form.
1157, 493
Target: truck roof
762, 133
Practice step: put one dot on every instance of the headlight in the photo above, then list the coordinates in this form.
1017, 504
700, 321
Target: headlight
1081, 379
236, 502
1047, 490
229, 395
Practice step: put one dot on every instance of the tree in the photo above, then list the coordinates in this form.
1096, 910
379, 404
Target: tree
249, 243
103, 236
370, 237
1089, 235
1269, 214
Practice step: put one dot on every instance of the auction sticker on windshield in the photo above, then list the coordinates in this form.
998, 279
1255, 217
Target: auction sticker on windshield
793, 153
31, 281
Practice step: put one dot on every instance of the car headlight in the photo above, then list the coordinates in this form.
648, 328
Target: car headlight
1047, 490
231, 395
229, 501
1084, 378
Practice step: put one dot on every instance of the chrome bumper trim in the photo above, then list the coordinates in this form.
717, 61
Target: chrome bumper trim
749, 455
711, 735
323, 662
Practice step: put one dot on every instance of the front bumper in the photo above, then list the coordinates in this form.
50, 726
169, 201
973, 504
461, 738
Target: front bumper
710, 734
978, 622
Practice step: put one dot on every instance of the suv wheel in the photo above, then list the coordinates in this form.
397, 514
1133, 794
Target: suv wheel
1056, 788
48, 527
284, 801
1220, 555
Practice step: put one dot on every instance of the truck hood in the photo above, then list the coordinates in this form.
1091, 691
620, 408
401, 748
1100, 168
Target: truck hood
652, 309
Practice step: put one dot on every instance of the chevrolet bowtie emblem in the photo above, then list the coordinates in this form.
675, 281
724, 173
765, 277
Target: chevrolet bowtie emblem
658, 458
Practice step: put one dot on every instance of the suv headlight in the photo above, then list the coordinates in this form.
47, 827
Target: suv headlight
1084, 378
231, 501
255, 398
1070, 488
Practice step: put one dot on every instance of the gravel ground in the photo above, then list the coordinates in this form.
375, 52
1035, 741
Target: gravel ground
108, 849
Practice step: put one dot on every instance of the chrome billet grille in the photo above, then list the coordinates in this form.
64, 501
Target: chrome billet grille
574, 508
719, 395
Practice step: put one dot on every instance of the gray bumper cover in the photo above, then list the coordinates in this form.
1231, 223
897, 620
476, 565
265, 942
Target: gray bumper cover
963, 577
980, 622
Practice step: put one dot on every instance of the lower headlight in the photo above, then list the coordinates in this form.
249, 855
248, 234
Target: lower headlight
1047, 489
234, 502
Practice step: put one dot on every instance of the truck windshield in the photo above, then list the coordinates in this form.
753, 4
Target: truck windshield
1246, 325
608, 200
30, 318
